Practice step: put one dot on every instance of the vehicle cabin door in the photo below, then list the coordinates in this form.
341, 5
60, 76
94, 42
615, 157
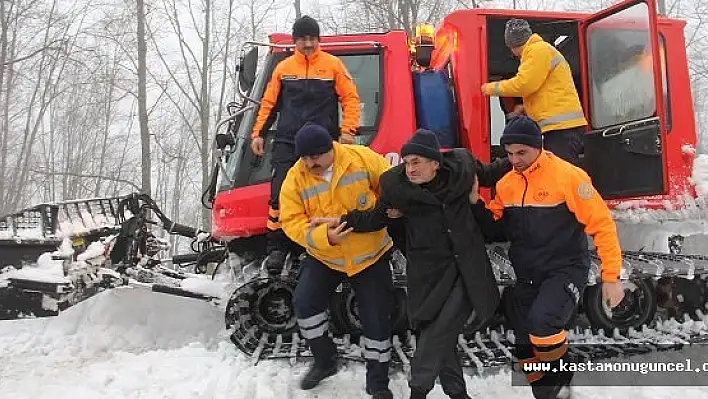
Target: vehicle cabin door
624, 101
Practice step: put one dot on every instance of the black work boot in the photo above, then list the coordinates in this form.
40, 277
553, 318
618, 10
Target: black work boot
556, 386
275, 261
317, 373
552, 392
383, 394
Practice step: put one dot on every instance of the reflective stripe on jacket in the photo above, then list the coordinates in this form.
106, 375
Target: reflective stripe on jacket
545, 82
547, 210
354, 185
309, 90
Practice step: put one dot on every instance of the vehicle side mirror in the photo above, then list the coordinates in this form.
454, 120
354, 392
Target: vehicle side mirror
247, 70
223, 140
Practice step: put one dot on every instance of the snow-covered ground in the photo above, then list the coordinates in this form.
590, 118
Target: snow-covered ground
133, 343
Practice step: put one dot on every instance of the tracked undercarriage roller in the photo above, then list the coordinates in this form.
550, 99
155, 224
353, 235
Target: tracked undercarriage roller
261, 317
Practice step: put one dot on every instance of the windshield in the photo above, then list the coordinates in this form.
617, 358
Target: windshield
244, 169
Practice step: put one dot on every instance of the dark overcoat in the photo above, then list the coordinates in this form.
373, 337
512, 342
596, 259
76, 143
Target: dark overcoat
443, 239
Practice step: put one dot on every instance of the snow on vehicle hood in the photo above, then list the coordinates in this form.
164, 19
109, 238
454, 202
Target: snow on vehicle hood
47, 270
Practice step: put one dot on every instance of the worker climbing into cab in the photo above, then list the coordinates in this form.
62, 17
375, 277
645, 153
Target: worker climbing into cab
305, 87
545, 83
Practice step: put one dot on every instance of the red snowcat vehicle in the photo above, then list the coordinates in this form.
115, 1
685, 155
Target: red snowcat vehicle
629, 66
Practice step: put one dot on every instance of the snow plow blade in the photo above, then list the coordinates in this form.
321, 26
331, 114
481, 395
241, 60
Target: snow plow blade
138, 320
166, 289
28, 233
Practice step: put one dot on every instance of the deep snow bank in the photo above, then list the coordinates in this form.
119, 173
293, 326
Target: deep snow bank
132, 343
123, 319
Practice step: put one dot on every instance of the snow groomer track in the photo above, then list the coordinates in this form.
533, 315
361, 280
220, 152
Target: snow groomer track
262, 323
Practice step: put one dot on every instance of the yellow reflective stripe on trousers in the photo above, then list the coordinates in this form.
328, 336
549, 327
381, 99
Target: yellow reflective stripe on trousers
312, 321
363, 258
377, 350
314, 326
568, 116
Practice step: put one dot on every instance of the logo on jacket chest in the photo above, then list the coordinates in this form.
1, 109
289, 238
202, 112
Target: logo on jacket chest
541, 195
362, 200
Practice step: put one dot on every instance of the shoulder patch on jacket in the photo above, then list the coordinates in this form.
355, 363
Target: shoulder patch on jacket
585, 191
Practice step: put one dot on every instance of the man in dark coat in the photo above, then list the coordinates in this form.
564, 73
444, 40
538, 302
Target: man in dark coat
449, 274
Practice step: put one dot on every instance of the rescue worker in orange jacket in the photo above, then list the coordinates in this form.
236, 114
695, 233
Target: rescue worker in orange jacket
545, 82
333, 178
546, 206
305, 87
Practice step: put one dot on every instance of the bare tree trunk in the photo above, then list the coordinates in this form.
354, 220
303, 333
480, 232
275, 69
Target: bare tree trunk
227, 49
3, 99
252, 14
161, 178
298, 11
142, 100
111, 76
204, 109
176, 191
50, 165
4, 96
124, 152
45, 74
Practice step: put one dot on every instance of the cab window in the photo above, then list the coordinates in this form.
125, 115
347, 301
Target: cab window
621, 69
365, 69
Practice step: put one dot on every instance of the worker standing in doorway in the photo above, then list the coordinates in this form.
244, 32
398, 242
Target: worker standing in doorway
545, 83
305, 87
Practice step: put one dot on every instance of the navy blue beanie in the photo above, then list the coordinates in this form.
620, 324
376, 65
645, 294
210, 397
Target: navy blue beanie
312, 139
522, 130
306, 26
424, 143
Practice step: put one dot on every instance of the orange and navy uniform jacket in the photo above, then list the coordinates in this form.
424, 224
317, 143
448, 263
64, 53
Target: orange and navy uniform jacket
305, 90
354, 186
547, 210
